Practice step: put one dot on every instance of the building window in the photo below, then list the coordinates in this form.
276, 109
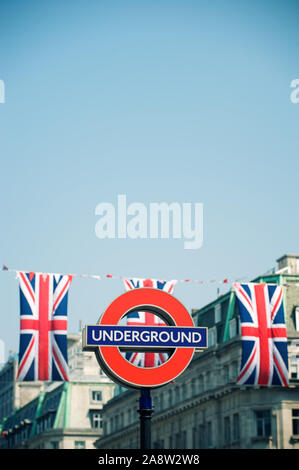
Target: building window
233, 330
96, 395
217, 313
194, 437
184, 392
236, 427
235, 370
170, 397
227, 430
226, 374
296, 318
209, 434
201, 437
96, 419
116, 418
177, 394
193, 387
177, 440
263, 423
54, 445
200, 384
208, 380
295, 421
183, 439
161, 401
79, 445
294, 367
212, 336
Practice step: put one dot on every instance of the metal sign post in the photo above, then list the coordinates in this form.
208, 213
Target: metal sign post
145, 411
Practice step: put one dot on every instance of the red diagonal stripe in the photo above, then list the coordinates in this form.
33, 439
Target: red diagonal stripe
276, 304
29, 288
245, 295
133, 357
59, 365
162, 359
128, 284
61, 295
248, 365
281, 374
26, 356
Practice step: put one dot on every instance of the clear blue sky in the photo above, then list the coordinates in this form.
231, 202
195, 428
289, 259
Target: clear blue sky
185, 101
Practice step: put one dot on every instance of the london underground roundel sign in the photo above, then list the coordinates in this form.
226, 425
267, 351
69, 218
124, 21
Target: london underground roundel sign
109, 339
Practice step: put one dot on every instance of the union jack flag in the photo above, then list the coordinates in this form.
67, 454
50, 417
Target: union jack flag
148, 359
264, 336
43, 326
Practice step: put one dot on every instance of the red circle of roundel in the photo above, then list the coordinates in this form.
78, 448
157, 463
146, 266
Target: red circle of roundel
118, 366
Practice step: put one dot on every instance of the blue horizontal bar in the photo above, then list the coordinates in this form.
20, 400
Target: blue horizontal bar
146, 336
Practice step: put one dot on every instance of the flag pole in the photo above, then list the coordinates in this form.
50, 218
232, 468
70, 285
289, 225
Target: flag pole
145, 411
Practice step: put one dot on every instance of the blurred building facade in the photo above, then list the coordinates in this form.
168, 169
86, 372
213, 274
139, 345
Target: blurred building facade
54, 415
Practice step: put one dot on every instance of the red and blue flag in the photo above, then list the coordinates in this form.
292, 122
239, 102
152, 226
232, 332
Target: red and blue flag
43, 327
264, 336
148, 359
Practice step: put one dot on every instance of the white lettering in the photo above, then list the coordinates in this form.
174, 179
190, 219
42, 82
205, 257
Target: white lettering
137, 226
122, 216
145, 336
161, 218
166, 338
197, 233
187, 337
105, 227
295, 93
107, 335
172, 333
93, 335
154, 336
118, 335
164, 210
135, 336
128, 335
195, 335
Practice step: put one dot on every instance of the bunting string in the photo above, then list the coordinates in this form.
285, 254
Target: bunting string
101, 277
118, 277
